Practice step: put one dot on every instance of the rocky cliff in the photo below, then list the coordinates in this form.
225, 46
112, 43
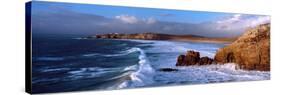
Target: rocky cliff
251, 51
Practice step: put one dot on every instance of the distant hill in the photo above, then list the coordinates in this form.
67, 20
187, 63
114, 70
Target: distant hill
158, 36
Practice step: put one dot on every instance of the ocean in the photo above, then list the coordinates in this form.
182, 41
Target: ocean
67, 63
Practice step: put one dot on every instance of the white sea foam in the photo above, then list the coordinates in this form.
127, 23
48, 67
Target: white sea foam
54, 69
34, 80
122, 53
179, 47
143, 76
209, 74
91, 72
99, 54
90, 54
167, 54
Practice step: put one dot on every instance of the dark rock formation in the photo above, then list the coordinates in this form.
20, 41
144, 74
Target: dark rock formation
193, 58
251, 51
205, 61
181, 60
167, 69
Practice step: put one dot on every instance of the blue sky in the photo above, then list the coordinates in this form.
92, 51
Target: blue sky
89, 19
112, 11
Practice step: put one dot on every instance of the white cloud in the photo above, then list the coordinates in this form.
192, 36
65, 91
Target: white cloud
241, 22
151, 20
134, 20
260, 20
127, 19
231, 19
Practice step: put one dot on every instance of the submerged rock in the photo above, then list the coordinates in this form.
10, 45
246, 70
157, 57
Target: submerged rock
251, 51
168, 69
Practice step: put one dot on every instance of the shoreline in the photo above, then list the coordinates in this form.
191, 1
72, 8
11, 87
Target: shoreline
203, 41
190, 41
168, 37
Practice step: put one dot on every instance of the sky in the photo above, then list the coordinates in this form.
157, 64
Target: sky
89, 19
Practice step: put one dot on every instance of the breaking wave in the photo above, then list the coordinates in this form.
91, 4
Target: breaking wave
144, 74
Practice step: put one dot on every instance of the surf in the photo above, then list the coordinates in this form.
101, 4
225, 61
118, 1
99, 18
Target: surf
143, 76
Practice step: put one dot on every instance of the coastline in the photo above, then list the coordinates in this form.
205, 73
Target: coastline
167, 37
205, 41
240, 50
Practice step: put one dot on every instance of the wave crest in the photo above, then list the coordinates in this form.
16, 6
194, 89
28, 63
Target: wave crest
143, 76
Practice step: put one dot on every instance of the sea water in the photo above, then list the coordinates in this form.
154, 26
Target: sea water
69, 64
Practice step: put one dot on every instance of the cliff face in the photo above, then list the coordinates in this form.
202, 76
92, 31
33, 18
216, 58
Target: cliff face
251, 51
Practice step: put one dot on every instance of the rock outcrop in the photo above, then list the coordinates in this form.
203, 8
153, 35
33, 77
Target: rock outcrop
193, 58
205, 61
167, 69
251, 51
181, 60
